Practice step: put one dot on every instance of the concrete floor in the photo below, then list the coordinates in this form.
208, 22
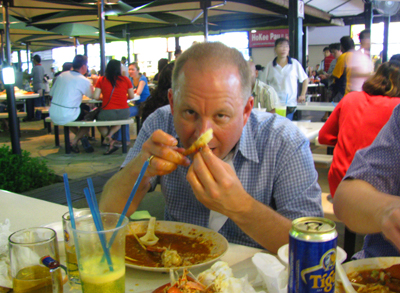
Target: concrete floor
36, 140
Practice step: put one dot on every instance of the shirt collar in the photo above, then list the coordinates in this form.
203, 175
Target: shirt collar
247, 144
289, 59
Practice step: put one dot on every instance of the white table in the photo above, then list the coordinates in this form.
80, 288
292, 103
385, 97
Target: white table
316, 106
25, 212
29, 106
309, 129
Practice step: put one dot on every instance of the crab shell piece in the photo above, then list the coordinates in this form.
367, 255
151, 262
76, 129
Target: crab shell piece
202, 141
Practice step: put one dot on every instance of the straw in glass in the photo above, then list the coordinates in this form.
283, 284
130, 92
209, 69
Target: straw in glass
94, 200
71, 213
131, 196
97, 220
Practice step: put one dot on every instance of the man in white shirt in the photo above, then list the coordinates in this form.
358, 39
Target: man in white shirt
264, 95
124, 69
67, 94
283, 74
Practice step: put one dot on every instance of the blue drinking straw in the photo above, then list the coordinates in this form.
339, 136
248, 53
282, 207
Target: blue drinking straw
97, 221
333, 103
94, 200
71, 213
129, 201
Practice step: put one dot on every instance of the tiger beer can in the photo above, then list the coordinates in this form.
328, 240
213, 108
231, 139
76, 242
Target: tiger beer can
312, 255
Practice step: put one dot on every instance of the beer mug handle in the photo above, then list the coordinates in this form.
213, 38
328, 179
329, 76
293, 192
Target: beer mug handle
57, 278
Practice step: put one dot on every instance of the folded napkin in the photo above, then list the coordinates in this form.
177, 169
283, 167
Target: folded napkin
272, 272
5, 277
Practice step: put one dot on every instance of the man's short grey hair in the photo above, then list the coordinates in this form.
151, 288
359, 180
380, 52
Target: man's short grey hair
213, 55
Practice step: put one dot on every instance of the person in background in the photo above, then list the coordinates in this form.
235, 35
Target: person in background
378, 61
264, 95
178, 52
328, 58
360, 63
331, 89
260, 72
124, 69
395, 57
367, 200
283, 74
161, 64
368, 110
242, 182
37, 80
66, 106
141, 88
67, 66
159, 97
342, 71
114, 87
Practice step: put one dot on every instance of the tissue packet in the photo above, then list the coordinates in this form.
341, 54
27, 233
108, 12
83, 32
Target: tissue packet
5, 276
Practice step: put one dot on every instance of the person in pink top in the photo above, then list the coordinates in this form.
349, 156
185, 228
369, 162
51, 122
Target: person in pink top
358, 118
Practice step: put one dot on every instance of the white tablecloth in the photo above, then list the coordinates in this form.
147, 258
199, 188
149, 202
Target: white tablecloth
26, 212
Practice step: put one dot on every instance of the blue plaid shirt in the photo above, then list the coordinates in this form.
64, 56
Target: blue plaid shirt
379, 165
272, 160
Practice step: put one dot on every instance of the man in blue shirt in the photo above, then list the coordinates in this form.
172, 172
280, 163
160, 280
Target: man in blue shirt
367, 200
253, 178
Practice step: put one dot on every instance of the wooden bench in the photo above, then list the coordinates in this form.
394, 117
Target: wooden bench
124, 128
45, 114
19, 115
323, 159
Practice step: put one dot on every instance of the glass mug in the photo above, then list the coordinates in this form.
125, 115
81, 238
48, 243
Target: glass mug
70, 254
27, 249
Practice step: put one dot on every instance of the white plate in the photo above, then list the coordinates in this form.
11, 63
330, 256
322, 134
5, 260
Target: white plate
219, 247
283, 254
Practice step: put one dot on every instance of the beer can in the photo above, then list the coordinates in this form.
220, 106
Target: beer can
312, 255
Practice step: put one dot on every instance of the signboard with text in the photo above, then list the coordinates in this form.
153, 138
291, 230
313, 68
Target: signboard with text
267, 38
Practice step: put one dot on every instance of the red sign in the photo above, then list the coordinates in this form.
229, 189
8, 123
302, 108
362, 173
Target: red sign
267, 38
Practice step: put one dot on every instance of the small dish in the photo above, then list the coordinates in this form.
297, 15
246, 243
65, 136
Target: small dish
283, 254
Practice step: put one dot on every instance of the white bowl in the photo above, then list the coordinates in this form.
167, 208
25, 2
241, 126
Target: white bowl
283, 254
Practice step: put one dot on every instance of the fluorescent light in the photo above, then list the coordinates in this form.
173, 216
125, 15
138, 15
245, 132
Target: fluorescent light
8, 75
253, 31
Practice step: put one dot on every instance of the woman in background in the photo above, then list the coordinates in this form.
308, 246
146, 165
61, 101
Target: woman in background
159, 97
358, 118
140, 86
114, 88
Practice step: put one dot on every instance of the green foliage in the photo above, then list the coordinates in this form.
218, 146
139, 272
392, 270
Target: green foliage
19, 173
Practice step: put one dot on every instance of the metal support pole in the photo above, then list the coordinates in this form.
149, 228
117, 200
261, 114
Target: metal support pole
2, 47
76, 42
295, 31
27, 55
176, 43
368, 15
12, 110
128, 41
305, 46
204, 4
85, 50
19, 61
102, 31
386, 21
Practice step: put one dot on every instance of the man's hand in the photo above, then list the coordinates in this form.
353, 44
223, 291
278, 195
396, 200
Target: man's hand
216, 185
390, 224
301, 99
167, 156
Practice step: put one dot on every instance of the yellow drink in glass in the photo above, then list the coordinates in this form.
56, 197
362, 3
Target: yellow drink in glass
96, 276
33, 279
281, 110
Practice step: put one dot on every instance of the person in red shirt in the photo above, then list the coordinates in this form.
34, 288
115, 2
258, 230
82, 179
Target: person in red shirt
115, 89
326, 62
358, 118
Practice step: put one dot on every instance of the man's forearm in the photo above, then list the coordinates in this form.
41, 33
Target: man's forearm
360, 206
264, 225
304, 87
118, 188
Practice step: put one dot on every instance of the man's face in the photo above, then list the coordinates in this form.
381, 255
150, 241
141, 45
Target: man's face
210, 99
327, 53
366, 42
336, 53
282, 49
